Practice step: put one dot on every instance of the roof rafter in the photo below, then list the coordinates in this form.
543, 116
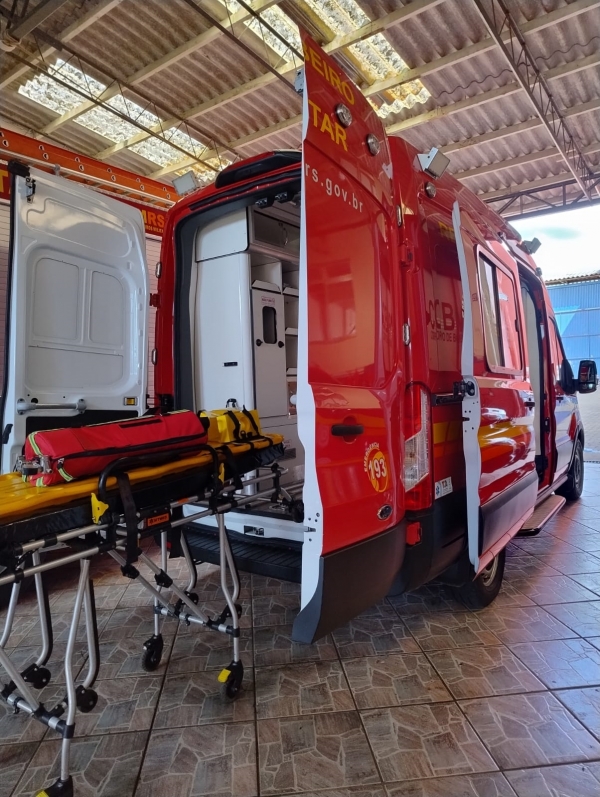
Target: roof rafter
185, 49
414, 121
491, 168
375, 26
533, 83
69, 33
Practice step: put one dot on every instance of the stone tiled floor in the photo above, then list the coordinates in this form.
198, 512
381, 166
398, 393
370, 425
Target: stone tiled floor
416, 698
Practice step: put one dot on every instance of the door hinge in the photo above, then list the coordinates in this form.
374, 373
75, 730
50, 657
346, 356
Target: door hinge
29, 188
546, 424
406, 334
399, 218
154, 356
155, 300
406, 254
463, 388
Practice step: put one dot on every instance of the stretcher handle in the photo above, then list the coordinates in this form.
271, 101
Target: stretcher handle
31, 406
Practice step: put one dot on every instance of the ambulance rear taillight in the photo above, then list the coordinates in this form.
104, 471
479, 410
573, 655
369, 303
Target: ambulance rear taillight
417, 448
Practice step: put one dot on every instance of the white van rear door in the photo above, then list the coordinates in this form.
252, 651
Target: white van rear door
76, 350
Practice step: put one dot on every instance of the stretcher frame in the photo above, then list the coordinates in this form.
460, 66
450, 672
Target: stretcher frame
115, 538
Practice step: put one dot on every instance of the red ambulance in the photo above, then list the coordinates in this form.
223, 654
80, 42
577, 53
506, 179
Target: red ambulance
376, 313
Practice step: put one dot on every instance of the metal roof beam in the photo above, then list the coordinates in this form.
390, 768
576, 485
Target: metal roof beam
375, 26
265, 132
25, 26
185, 49
535, 86
414, 121
486, 44
487, 96
69, 33
543, 154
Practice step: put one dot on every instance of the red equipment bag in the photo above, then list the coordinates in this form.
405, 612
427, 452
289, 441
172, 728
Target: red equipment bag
62, 455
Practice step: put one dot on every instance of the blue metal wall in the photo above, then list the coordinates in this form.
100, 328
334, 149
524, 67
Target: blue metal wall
577, 309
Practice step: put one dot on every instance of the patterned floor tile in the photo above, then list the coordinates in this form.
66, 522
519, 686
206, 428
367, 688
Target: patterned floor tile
275, 609
128, 623
572, 563
581, 780
553, 589
124, 704
14, 759
215, 760
414, 742
590, 581
373, 637
275, 646
442, 631
350, 791
322, 751
394, 681
202, 649
25, 630
17, 728
24, 656
61, 624
510, 596
530, 730
545, 544
102, 766
135, 595
562, 663
430, 598
585, 704
588, 542
527, 566
105, 596
583, 618
492, 784
122, 658
595, 641
527, 624
195, 699
309, 688
263, 585
479, 672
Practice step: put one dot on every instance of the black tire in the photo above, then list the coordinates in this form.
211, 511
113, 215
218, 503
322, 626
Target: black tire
232, 689
573, 487
480, 592
151, 659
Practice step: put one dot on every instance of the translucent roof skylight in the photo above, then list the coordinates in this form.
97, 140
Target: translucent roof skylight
280, 22
48, 92
375, 56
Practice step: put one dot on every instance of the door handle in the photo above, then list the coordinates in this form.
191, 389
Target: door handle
529, 403
33, 406
347, 429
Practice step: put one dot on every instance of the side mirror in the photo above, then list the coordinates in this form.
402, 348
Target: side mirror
567, 380
587, 377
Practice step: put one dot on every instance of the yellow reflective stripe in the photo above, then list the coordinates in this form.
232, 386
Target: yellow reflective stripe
65, 475
33, 444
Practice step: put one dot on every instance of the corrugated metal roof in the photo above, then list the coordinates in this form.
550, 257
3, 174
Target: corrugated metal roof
175, 57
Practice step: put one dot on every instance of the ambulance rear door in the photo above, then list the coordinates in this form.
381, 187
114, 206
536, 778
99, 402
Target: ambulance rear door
349, 416
76, 344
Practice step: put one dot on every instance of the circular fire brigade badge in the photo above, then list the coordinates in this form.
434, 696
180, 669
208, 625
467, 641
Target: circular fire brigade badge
376, 468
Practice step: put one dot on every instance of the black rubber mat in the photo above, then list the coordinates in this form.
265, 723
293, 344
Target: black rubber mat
263, 557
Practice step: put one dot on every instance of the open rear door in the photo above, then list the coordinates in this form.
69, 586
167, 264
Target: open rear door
77, 309
349, 418
498, 401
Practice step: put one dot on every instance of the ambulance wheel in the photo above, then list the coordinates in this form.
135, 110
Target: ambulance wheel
573, 487
152, 655
480, 592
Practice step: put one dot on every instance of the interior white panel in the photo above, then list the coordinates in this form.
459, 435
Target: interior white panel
56, 302
224, 236
63, 370
107, 306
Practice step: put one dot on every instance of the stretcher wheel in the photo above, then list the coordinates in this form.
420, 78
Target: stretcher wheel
61, 788
152, 655
86, 700
38, 677
231, 681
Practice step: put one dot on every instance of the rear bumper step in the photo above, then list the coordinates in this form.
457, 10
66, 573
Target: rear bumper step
541, 515
262, 557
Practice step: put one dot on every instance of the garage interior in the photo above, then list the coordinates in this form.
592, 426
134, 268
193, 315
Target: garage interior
417, 697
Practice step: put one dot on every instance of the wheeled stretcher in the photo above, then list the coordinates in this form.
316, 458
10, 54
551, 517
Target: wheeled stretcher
43, 528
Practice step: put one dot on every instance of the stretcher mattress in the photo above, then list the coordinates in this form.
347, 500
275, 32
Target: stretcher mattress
28, 512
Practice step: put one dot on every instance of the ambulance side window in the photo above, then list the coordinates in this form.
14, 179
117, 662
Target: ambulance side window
503, 343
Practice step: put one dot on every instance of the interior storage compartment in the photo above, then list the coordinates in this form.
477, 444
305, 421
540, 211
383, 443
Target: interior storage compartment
244, 327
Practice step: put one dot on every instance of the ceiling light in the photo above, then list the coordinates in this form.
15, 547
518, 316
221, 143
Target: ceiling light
434, 162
